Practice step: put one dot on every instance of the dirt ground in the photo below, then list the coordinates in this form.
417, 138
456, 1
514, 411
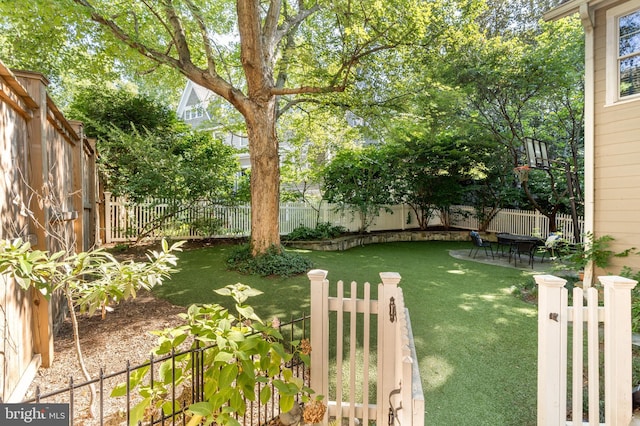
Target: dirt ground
124, 335
106, 344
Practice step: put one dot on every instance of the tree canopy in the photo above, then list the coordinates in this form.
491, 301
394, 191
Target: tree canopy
148, 155
485, 73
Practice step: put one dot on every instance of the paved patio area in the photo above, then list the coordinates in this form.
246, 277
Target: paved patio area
499, 260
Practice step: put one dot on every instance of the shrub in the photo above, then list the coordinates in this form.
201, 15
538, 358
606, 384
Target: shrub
322, 231
301, 233
274, 262
247, 353
207, 226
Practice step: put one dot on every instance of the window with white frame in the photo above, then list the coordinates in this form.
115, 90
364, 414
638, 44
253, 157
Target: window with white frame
623, 54
193, 112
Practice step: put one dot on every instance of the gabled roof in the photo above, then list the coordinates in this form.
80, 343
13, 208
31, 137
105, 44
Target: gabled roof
193, 94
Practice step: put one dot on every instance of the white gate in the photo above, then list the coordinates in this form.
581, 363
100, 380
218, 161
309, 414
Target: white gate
398, 398
554, 317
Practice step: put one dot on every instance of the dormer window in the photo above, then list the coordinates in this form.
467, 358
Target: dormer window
193, 112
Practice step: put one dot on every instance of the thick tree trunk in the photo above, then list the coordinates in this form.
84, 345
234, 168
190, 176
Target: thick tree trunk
265, 178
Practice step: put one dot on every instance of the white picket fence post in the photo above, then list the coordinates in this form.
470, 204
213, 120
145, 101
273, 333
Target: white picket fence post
399, 389
387, 340
554, 315
320, 334
617, 355
552, 347
108, 217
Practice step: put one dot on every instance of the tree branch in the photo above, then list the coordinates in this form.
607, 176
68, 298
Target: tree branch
178, 34
270, 27
306, 89
294, 22
123, 36
205, 78
211, 63
251, 45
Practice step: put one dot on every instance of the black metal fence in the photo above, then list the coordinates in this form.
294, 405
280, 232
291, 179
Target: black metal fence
116, 411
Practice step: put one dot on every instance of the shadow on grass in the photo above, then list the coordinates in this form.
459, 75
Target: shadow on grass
475, 341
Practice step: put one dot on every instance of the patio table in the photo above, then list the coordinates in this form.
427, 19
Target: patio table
512, 241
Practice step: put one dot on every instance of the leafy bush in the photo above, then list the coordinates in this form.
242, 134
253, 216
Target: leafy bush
322, 231
274, 262
207, 226
247, 353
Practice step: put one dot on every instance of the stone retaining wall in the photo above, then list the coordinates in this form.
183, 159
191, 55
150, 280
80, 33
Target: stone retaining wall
350, 241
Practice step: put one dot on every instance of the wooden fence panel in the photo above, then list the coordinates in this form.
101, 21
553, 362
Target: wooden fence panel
45, 182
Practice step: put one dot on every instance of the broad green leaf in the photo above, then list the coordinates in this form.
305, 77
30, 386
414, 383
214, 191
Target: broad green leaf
119, 390
137, 412
286, 402
168, 408
222, 356
203, 409
227, 375
237, 402
265, 394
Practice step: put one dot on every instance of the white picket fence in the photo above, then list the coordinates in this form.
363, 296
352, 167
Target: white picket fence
519, 222
125, 221
349, 321
554, 317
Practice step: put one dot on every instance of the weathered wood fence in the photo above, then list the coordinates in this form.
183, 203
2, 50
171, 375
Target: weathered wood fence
341, 329
47, 197
556, 346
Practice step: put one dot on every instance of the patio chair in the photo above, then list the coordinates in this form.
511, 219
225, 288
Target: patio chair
478, 243
528, 248
504, 242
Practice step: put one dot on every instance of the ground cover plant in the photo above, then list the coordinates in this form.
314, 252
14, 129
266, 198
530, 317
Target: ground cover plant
475, 341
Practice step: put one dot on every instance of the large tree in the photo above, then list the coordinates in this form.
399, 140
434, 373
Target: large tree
528, 86
262, 57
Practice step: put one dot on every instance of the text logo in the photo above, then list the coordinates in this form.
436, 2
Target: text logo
34, 414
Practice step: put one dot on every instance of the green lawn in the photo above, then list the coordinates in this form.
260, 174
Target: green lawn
475, 342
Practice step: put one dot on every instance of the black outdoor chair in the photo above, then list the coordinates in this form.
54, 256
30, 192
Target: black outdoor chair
528, 248
478, 243
503, 242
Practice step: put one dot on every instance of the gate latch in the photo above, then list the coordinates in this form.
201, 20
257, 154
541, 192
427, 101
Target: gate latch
393, 412
392, 309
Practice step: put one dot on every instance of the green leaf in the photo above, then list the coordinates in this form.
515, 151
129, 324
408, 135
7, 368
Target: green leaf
137, 412
247, 312
265, 394
119, 390
237, 402
203, 409
228, 375
168, 408
286, 402
223, 291
135, 378
166, 369
279, 349
222, 356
